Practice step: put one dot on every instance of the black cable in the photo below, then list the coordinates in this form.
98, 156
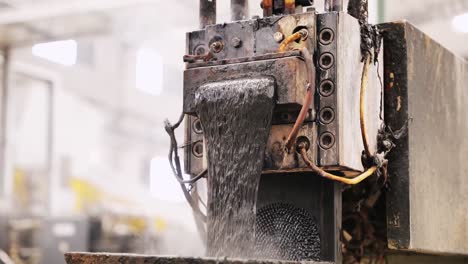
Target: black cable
176, 168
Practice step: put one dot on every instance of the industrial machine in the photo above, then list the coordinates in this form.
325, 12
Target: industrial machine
316, 63
348, 138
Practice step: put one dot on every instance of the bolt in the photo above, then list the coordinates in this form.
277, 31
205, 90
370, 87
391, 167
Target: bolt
236, 42
217, 46
278, 36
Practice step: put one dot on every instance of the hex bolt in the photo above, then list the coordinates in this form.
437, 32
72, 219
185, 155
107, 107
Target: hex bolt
278, 36
236, 42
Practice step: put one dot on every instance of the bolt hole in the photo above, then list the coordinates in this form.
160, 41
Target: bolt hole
200, 50
302, 142
327, 140
326, 36
197, 126
327, 115
327, 88
326, 60
197, 149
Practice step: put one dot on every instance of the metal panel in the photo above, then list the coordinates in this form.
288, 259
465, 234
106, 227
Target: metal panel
290, 75
349, 71
345, 73
427, 208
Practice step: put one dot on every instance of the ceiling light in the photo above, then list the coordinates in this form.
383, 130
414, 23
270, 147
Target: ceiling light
460, 23
62, 52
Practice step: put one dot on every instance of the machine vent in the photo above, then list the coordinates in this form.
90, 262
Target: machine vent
286, 232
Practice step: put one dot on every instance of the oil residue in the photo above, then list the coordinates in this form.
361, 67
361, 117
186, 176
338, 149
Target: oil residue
236, 118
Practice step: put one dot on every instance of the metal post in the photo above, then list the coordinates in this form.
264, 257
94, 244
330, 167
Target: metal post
267, 6
239, 10
207, 13
333, 5
3, 121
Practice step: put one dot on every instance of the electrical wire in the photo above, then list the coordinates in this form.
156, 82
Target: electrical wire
362, 105
289, 40
176, 168
350, 181
291, 139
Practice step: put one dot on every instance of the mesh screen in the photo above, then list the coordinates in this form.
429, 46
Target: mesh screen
286, 232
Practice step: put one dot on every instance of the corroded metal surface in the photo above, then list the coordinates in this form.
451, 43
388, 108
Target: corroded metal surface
426, 86
290, 76
103, 258
253, 37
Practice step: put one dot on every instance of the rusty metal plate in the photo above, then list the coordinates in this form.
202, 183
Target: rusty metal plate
289, 73
250, 38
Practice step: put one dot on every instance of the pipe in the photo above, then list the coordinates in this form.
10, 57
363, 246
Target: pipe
289, 6
239, 10
333, 5
267, 6
207, 13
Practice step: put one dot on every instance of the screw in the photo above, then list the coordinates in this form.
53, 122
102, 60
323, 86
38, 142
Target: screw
217, 46
236, 42
278, 36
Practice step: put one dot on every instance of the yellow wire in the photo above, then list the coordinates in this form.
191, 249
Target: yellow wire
362, 106
353, 181
289, 40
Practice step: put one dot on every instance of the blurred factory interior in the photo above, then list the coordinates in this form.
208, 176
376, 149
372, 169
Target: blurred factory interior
86, 86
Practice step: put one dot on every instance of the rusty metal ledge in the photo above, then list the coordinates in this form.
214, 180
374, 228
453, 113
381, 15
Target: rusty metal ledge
106, 258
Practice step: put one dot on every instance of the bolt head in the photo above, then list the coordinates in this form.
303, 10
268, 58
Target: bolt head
236, 42
278, 36
217, 47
